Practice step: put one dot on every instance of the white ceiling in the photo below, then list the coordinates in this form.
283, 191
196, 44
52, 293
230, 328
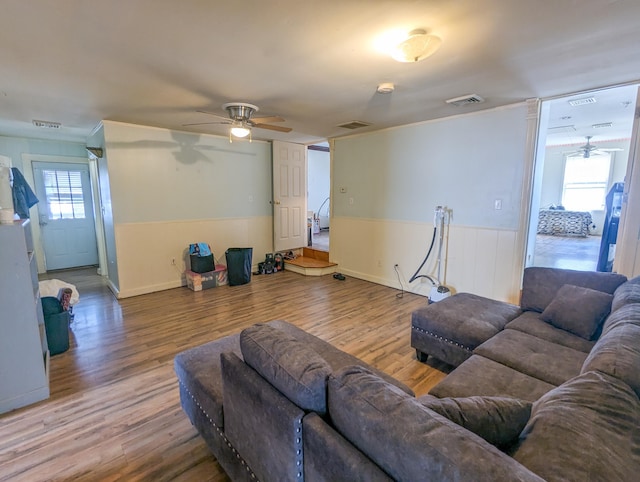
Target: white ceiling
156, 62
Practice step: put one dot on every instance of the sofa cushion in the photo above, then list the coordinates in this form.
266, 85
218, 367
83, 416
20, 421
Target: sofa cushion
586, 429
625, 315
409, 441
533, 356
540, 285
530, 322
450, 329
626, 293
288, 364
481, 376
335, 357
578, 310
617, 353
498, 420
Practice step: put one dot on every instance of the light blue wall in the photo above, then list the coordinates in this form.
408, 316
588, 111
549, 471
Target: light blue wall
14, 147
464, 163
163, 175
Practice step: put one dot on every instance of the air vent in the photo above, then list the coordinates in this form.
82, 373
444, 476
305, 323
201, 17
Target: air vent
602, 125
567, 128
354, 125
466, 100
46, 124
583, 101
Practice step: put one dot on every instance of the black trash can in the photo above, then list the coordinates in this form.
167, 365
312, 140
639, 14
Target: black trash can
56, 325
239, 265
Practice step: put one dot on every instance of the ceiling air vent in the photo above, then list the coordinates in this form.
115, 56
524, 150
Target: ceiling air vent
466, 100
354, 125
46, 124
602, 125
582, 101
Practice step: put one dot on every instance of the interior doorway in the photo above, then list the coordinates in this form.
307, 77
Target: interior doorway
584, 147
318, 195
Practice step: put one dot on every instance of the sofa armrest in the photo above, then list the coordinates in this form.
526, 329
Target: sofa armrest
261, 423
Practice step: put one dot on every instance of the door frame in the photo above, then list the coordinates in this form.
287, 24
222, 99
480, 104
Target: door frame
627, 258
27, 171
627, 244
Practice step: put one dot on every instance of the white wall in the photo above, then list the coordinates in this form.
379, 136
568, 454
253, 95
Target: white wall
319, 185
169, 189
395, 178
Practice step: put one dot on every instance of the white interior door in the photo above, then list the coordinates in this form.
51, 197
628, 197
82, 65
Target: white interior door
65, 214
289, 196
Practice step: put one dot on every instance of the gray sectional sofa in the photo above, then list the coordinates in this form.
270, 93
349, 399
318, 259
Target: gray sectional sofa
276, 403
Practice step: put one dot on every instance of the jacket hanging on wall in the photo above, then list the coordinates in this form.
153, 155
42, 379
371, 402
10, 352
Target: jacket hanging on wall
23, 196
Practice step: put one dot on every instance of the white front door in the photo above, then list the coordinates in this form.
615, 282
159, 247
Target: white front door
65, 214
289, 196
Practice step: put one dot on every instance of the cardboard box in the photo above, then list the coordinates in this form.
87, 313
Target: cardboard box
204, 281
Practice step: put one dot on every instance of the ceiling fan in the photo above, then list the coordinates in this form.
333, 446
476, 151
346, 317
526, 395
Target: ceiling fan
588, 148
240, 118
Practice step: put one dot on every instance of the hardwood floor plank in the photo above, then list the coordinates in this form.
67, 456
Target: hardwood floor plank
114, 411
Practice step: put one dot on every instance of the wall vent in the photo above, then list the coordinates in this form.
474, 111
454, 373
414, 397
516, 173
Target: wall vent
465, 100
583, 101
46, 124
354, 125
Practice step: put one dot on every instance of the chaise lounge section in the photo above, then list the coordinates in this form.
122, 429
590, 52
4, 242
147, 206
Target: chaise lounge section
276, 403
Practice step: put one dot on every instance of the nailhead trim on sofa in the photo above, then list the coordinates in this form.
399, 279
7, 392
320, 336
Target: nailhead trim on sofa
451, 342
221, 433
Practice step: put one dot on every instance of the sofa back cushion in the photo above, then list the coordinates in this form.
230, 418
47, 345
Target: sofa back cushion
578, 310
617, 353
585, 429
626, 293
409, 441
498, 420
540, 285
289, 365
625, 315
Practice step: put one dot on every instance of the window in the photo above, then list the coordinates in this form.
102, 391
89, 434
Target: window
64, 194
585, 182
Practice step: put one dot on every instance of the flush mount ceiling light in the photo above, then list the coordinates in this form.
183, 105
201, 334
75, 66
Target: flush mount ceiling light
239, 130
417, 46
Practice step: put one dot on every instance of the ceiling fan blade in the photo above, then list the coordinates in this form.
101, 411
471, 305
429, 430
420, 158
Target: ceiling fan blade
264, 120
213, 114
204, 123
273, 128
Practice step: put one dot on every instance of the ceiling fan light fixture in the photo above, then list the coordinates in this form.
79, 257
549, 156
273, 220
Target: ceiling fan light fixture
240, 131
417, 46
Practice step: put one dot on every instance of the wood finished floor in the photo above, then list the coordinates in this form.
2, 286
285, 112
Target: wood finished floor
114, 411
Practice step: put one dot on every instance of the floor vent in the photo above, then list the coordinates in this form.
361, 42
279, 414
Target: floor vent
354, 125
466, 100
